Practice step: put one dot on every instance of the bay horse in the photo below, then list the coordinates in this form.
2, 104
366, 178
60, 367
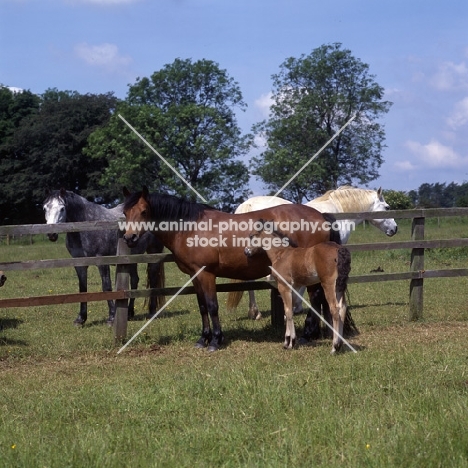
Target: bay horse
344, 199
62, 206
326, 263
207, 243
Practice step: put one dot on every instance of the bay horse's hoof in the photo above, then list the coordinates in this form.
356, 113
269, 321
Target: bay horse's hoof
201, 343
215, 343
110, 322
304, 342
79, 322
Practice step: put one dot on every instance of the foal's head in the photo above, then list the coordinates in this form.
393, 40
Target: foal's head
266, 236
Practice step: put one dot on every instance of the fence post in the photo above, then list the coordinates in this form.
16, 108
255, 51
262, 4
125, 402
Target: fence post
417, 264
122, 282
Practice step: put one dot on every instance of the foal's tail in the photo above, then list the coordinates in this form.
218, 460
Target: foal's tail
233, 298
344, 267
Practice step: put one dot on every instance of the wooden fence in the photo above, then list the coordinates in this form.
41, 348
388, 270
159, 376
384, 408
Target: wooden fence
122, 294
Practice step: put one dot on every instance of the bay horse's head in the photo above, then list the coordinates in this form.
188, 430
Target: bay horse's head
55, 209
137, 211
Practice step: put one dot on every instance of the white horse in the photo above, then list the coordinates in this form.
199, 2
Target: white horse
344, 199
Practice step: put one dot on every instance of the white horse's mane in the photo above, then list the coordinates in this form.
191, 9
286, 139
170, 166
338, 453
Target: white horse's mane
348, 199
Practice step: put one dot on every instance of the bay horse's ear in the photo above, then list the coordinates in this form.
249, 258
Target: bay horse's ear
145, 192
126, 192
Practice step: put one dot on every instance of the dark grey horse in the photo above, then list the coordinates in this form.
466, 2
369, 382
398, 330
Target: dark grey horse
62, 206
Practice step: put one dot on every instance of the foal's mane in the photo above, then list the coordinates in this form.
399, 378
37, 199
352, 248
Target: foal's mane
349, 198
169, 207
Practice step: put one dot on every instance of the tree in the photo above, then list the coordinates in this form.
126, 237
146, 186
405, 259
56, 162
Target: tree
314, 96
46, 150
398, 200
186, 112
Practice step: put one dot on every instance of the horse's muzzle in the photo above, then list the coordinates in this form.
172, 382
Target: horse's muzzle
248, 251
52, 237
392, 232
131, 240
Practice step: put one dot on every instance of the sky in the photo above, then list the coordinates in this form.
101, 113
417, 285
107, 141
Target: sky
417, 51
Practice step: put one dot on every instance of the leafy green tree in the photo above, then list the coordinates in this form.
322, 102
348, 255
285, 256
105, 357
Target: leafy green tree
314, 96
186, 113
46, 150
398, 200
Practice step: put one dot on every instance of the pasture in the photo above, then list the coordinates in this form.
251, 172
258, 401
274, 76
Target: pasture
68, 400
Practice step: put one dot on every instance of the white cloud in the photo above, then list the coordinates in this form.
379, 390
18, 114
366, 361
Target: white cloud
104, 55
436, 155
451, 76
263, 103
405, 166
459, 116
107, 2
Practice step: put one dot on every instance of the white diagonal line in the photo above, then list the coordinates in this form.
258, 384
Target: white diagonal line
162, 158
314, 156
313, 310
161, 309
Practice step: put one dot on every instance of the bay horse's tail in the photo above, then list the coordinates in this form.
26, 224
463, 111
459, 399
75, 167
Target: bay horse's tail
233, 298
344, 268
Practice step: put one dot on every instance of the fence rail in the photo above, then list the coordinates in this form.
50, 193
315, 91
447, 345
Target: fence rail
415, 275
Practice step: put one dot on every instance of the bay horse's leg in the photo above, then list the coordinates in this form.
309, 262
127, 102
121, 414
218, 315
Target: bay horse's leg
82, 273
337, 310
290, 334
155, 275
134, 280
253, 313
104, 271
205, 287
312, 321
297, 301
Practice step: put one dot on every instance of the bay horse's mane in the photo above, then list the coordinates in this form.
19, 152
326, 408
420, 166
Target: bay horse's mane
170, 207
348, 198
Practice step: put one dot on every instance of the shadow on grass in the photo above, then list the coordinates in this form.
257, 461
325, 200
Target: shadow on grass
6, 324
389, 303
10, 342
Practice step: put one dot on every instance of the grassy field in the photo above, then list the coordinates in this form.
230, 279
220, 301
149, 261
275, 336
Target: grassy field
68, 400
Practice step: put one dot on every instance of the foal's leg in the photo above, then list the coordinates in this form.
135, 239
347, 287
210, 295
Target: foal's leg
82, 273
337, 312
104, 271
290, 334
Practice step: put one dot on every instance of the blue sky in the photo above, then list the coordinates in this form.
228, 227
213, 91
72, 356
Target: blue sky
417, 50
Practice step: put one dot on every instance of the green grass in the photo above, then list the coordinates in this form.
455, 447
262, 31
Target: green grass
68, 400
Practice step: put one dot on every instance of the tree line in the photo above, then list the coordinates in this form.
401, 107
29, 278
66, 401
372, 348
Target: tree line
187, 112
